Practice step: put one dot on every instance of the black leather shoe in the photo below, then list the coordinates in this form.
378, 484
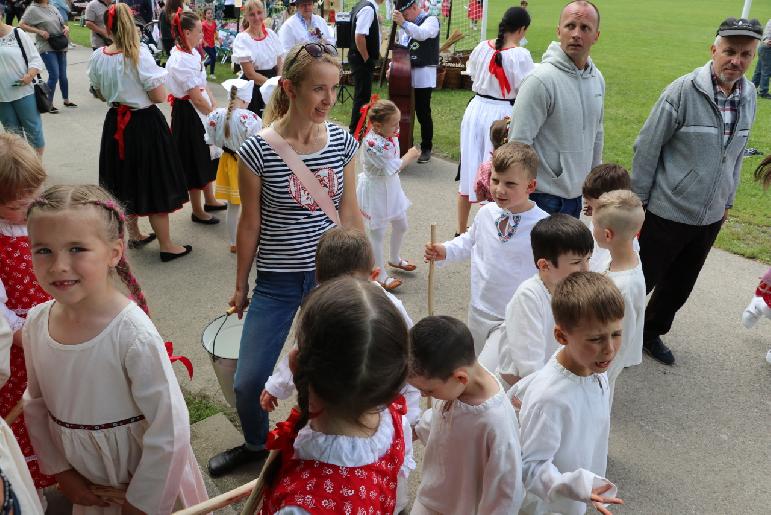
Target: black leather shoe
170, 256
231, 459
656, 349
209, 208
425, 156
206, 221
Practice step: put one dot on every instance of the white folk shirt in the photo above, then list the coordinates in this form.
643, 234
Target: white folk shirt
365, 17
600, 256
295, 30
425, 76
243, 125
472, 452
263, 53
119, 81
497, 268
565, 422
517, 64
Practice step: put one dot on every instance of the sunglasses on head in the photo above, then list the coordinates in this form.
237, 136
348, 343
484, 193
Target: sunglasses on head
315, 50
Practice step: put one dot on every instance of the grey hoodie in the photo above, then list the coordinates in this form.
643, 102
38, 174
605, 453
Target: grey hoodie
559, 111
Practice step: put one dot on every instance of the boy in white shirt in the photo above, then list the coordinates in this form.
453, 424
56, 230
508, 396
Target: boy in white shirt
525, 341
565, 412
618, 217
472, 462
498, 241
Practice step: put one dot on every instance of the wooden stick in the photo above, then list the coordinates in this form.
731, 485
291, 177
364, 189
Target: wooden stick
252, 502
15, 412
431, 267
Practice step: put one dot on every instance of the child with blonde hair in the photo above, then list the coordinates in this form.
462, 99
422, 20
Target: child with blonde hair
379, 191
498, 242
22, 175
618, 217
103, 404
227, 129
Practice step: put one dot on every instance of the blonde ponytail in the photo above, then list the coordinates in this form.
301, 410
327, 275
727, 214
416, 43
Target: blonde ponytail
124, 32
277, 107
231, 105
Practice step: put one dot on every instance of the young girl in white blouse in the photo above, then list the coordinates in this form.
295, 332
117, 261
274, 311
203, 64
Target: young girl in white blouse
497, 68
138, 163
258, 50
228, 129
350, 365
191, 103
565, 413
103, 406
379, 191
472, 462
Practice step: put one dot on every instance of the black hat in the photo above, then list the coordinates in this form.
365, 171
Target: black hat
403, 5
740, 27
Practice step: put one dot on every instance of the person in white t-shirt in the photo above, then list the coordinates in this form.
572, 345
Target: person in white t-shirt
472, 463
304, 27
618, 217
565, 414
498, 242
524, 342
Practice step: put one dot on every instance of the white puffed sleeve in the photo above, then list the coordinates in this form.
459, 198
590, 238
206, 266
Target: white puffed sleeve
214, 129
541, 438
474, 60
242, 51
250, 125
280, 384
155, 486
523, 66
14, 321
150, 74
381, 156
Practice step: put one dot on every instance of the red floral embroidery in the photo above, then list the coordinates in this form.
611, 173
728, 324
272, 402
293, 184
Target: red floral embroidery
327, 178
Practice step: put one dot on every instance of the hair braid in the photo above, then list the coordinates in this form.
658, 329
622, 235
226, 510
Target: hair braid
124, 272
499, 39
231, 105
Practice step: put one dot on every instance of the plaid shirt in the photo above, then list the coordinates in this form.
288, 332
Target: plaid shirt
728, 105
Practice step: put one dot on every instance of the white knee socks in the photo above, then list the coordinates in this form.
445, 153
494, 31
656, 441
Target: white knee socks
234, 210
398, 230
376, 237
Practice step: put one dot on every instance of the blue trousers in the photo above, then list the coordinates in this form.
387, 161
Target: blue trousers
211, 52
56, 65
275, 300
554, 204
21, 117
762, 69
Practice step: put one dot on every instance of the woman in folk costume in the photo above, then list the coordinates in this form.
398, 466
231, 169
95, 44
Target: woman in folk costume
497, 68
191, 104
138, 163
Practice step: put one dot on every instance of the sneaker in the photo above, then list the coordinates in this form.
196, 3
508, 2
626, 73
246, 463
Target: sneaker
212, 76
54, 110
656, 349
425, 156
231, 459
756, 309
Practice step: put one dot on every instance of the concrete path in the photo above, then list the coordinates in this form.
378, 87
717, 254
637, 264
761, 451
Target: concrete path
693, 438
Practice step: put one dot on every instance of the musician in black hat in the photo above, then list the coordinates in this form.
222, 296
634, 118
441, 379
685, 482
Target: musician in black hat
363, 53
420, 34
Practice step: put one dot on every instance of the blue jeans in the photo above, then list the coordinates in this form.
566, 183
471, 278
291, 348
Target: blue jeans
275, 300
211, 52
554, 204
762, 69
21, 117
56, 64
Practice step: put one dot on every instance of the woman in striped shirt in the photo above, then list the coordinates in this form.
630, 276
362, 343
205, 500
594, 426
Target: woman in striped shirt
281, 224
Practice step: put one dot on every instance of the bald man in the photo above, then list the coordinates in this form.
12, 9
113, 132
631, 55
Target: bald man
559, 111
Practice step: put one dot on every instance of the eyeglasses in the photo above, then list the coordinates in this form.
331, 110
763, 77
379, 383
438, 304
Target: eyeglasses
315, 50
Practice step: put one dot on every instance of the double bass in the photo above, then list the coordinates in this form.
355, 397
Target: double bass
400, 89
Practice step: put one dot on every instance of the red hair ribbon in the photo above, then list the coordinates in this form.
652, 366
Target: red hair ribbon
499, 73
182, 359
282, 438
110, 17
124, 116
176, 21
363, 117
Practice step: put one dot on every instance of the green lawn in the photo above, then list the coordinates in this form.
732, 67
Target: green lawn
642, 48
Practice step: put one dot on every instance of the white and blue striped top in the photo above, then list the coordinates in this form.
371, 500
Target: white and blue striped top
291, 222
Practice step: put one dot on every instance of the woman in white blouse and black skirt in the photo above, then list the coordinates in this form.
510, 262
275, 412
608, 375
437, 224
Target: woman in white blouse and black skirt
258, 50
138, 162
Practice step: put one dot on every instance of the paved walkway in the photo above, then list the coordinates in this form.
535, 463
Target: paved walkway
693, 438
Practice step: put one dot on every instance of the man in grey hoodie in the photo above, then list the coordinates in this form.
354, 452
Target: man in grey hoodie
559, 111
686, 166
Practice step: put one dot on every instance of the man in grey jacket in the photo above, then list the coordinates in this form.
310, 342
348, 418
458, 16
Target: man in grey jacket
686, 165
559, 111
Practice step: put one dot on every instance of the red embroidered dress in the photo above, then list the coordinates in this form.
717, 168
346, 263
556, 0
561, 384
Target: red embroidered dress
325, 489
23, 293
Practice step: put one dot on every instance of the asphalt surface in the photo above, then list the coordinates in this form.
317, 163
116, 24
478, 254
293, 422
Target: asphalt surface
692, 438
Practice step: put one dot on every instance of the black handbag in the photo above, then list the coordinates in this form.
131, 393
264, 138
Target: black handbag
42, 91
58, 42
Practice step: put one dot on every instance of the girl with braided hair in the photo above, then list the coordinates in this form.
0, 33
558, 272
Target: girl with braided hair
497, 67
103, 405
228, 129
138, 163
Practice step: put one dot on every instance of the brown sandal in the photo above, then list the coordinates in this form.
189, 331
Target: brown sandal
390, 283
403, 265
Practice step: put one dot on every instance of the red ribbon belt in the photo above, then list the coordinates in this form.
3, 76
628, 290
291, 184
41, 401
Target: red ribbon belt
182, 359
171, 98
124, 116
499, 73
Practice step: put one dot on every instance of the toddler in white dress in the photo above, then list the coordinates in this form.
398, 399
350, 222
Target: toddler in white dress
103, 406
379, 191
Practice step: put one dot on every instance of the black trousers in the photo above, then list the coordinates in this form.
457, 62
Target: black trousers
361, 73
423, 114
672, 256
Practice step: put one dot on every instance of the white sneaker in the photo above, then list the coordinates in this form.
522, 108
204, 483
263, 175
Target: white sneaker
755, 309
212, 76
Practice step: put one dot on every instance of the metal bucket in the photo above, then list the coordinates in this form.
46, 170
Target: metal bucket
222, 340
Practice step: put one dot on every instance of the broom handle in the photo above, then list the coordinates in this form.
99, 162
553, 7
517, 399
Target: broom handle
15, 412
252, 502
431, 267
